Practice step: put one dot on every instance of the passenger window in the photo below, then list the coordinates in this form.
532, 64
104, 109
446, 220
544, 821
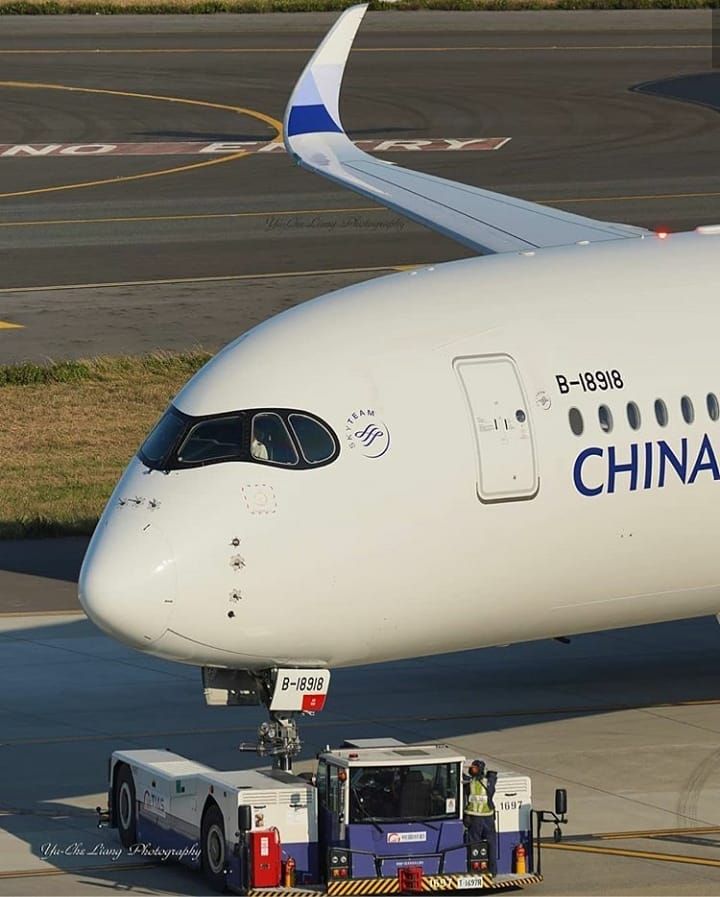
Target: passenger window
606, 419
576, 421
316, 443
270, 440
661, 412
712, 406
633, 415
212, 440
688, 412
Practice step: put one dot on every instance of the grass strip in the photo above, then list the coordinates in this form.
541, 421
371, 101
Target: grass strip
70, 428
118, 7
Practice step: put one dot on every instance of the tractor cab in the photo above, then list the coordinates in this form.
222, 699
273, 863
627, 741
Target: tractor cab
384, 806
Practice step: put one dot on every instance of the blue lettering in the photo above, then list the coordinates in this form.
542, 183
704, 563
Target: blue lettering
615, 468
647, 482
706, 449
678, 465
577, 471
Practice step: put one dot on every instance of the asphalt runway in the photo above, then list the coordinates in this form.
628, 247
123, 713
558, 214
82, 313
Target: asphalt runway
167, 258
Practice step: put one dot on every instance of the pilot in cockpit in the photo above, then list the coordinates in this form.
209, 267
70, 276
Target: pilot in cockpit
258, 443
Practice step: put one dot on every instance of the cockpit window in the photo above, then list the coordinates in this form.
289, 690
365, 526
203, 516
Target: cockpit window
270, 440
162, 439
281, 437
315, 441
217, 439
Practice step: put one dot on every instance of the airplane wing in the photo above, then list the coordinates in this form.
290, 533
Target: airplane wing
480, 219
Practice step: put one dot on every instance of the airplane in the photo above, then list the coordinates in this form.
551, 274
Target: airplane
521, 445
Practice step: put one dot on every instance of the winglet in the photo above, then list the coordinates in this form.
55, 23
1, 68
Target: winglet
484, 221
313, 106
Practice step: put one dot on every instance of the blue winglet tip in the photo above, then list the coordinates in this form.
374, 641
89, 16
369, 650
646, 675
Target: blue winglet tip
310, 120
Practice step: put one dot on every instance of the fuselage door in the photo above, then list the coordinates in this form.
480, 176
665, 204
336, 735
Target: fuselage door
498, 407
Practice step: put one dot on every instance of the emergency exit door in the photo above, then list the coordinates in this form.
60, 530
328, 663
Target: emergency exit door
506, 465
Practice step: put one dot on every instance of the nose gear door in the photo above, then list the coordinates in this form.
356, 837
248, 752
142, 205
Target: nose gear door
501, 427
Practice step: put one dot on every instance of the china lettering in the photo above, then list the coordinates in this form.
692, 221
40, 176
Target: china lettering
648, 465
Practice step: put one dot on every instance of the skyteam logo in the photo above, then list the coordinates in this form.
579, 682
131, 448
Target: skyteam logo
644, 465
365, 432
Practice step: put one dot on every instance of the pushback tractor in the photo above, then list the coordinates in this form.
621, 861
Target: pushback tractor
377, 816
380, 818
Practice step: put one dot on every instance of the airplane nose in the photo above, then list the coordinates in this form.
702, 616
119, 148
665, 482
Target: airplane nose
128, 580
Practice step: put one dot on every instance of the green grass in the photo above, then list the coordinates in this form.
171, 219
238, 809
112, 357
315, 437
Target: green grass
103, 369
117, 7
70, 428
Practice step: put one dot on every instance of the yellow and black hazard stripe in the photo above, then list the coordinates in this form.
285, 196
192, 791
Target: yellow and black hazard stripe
516, 881
436, 883
430, 884
439, 883
284, 892
351, 886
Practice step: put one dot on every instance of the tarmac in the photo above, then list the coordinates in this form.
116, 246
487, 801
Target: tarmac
627, 721
610, 114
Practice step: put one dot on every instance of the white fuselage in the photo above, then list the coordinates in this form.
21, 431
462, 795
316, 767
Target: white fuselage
478, 522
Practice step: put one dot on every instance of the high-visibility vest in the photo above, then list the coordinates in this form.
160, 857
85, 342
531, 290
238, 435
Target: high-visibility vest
478, 803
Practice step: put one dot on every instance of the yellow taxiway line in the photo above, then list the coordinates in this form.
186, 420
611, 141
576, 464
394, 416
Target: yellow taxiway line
240, 110
200, 216
267, 275
657, 833
7, 325
10, 614
471, 48
340, 210
634, 854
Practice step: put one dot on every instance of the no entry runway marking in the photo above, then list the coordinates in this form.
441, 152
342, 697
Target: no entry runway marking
247, 147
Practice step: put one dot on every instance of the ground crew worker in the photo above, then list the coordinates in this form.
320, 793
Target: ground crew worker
480, 809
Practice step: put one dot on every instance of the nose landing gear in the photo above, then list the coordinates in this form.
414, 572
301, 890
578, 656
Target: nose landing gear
279, 738
285, 693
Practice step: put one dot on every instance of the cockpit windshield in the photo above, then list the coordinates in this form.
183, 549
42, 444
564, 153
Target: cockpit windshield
163, 438
273, 436
217, 439
404, 793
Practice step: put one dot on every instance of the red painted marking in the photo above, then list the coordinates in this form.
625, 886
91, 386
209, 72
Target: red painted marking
194, 148
313, 702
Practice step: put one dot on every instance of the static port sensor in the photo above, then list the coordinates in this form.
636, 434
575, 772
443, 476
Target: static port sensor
300, 690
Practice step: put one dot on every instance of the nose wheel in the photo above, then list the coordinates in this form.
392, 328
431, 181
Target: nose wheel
279, 738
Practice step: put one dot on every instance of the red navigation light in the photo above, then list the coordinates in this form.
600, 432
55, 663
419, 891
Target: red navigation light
662, 234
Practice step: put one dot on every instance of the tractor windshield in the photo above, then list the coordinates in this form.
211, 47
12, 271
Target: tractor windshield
404, 793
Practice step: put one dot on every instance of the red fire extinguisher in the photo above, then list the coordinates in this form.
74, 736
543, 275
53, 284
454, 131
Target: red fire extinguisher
520, 857
289, 874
